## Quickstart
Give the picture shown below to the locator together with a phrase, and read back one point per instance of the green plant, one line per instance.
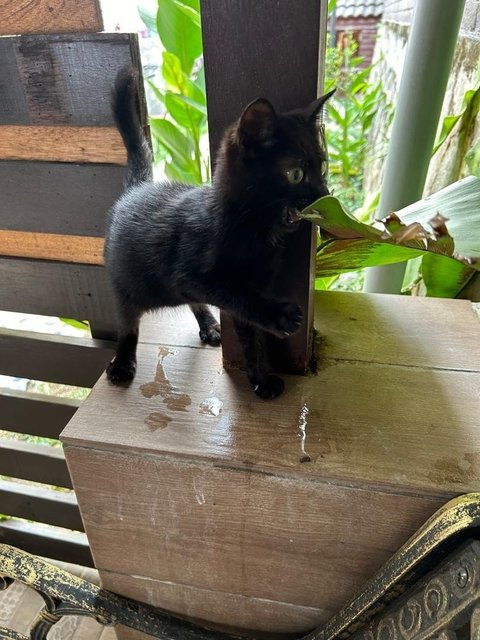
(179, 135)
(449, 257)
(351, 112)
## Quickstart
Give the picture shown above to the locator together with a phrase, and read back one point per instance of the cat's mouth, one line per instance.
(291, 216)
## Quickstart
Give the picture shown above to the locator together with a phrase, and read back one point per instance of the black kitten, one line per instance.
(170, 244)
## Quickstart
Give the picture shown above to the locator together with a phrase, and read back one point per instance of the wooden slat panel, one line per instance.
(52, 288)
(55, 197)
(238, 44)
(63, 144)
(229, 609)
(291, 540)
(62, 79)
(35, 462)
(34, 413)
(75, 361)
(41, 505)
(49, 16)
(51, 246)
(47, 542)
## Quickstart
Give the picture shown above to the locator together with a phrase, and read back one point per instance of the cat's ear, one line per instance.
(257, 124)
(314, 108)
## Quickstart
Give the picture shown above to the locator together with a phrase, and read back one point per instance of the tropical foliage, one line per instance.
(179, 136)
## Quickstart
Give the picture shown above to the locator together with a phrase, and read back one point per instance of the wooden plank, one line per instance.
(261, 617)
(423, 332)
(63, 144)
(36, 356)
(35, 462)
(49, 16)
(47, 542)
(40, 505)
(235, 531)
(35, 413)
(56, 197)
(238, 44)
(367, 424)
(74, 291)
(63, 79)
(51, 246)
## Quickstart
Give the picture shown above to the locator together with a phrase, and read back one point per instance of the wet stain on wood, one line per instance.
(161, 386)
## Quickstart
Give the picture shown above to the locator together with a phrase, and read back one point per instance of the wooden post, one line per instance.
(266, 49)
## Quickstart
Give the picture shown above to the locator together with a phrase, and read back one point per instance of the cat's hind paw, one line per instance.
(121, 372)
(271, 388)
(211, 335)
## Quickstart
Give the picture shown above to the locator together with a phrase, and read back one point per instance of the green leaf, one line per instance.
(460, 204)
(175, 173)
(447, 125)
(78, 324)
(178, 80)
(179, 34)
(190, 13)
(331, 5)
(342, 256)
(472, 160)
(330, 216)
(185, 111)
(176, 142)
(444, 277)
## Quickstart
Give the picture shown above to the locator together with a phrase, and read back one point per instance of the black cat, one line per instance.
(171, 244)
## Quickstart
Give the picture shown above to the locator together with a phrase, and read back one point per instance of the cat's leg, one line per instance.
(265, 384)
(280, 317)
(209, 327)
(124, 365)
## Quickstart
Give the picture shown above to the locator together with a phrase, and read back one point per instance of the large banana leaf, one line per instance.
(443, 229)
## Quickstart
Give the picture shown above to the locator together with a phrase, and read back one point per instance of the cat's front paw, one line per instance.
(285, 319)
(211, 335)
(270, 388)
(121, 372)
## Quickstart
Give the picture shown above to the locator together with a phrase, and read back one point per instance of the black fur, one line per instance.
(171, 244)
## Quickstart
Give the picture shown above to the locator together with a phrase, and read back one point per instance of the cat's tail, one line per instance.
(125, 108)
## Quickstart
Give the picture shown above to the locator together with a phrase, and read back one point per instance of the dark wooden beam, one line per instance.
(75, 361)
(266, 49)
(57, 289)
(47, 542)
(56, 508)
(35, 462)
(35, 413)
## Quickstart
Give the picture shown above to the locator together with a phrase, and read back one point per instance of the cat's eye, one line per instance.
(294, 176)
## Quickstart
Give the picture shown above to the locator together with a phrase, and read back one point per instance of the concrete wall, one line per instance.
(390, 54)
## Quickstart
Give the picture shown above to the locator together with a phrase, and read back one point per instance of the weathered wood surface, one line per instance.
(34, 413)
(297, 501)
(62, 144)
(235, 532)
(238, 44)
(232, 610)
(52, 246)
(35, 462)
(75, 361)
(63, 79)
(57, 197)
(47, 542)
(56, 289)
(56, 508)
(49, 16)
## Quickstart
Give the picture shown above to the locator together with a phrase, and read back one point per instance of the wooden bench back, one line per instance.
(62, 165)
